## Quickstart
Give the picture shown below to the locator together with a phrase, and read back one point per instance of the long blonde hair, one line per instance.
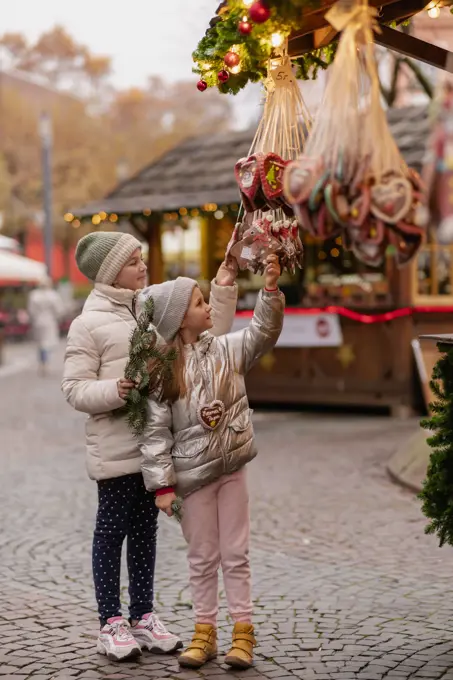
(174, 387)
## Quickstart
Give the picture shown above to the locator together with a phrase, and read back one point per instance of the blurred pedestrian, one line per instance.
(45, 309)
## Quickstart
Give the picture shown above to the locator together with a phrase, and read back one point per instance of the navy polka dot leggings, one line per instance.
(125, 509)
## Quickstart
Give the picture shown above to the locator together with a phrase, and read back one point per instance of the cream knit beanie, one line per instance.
(171, 302)
(102, 254)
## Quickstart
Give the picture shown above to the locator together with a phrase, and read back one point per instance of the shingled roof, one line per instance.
(200, 170)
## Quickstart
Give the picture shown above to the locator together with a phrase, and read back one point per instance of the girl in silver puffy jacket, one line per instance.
(197, 442)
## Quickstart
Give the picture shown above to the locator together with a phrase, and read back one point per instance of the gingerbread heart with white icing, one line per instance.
(391, 200)
(210, 416)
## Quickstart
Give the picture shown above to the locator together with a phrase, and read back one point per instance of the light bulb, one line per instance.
(236, 69)
(277, 39)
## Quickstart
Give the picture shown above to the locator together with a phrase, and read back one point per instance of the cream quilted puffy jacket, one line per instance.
(96, 356)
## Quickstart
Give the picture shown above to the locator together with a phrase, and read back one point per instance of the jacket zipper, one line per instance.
(205, 382)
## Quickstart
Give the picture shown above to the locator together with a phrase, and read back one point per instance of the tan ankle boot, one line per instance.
(241, 653)
(203, 647)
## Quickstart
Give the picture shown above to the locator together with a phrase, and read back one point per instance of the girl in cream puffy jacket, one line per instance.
(94, 383)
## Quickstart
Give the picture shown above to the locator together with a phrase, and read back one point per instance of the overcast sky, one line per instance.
(143, 37)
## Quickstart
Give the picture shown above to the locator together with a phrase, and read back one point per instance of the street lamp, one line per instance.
(45, 133)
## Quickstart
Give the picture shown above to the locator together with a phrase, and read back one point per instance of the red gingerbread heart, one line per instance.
(271, 167)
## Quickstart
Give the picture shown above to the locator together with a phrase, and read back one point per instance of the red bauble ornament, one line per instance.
(232, 59)
(245, 27)
(259, 12)
(223, 76)
(202, 85)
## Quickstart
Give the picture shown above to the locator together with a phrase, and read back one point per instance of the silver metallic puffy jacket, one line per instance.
(178, 451)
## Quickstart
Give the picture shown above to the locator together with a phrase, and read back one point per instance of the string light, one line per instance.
(113, 218)
(147, 212)
(76, 224)
(433, 10)
(183, 212)
(194, 212)
(218, 214)
(103, 215)
(335, 252)
(248, 3)
(96, 219)
(277, 39)
(68, 217)
(236, 69)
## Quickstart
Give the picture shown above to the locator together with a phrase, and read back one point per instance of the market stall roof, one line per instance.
(17, 269)
(200, 170)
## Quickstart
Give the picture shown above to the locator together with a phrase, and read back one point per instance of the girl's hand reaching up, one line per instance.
(272, 272)
(165, 501)
(227, 273)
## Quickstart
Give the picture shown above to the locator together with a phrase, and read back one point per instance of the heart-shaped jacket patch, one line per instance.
(210, 416)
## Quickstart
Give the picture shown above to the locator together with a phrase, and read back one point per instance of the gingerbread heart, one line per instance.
(210, 416)
(303, 217)
(336, 202)
(391, 199)
(300, 177)
(271, 167)
(360, 206)
(247, 175)
(317, 192)
(369, 253)
(406, 245)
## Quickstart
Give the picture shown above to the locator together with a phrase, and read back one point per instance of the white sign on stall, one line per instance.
(304, 329)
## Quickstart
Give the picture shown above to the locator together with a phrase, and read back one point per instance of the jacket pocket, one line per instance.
(191, 447)
(241, 422)
(241, 429)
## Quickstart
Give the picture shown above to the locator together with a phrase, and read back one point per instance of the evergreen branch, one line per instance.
(437, 492)
(149, 366)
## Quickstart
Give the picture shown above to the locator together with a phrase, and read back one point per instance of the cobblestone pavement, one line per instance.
(346, 584)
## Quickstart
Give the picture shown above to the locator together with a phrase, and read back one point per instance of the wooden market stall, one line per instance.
(359, 352)
(350, 335)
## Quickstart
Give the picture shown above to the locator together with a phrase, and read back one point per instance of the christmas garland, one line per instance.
(237, 48)
(437, 493)
(149, 367)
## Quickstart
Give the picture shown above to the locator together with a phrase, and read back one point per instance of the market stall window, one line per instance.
(333, 275)
(433, 272)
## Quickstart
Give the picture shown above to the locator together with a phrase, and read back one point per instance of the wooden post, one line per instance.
(155, 258)
(205, 254)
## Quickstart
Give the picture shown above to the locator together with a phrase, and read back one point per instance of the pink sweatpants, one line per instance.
(216, 527)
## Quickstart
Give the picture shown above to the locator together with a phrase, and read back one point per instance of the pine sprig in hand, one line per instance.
(437, 493)
(149, 367)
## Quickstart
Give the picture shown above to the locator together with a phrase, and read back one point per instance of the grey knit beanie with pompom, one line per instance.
(171, 302)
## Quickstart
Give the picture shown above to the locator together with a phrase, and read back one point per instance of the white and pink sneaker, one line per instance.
(116, 640)
(152, 635)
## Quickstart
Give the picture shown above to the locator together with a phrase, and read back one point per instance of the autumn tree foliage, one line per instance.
(95, 127)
